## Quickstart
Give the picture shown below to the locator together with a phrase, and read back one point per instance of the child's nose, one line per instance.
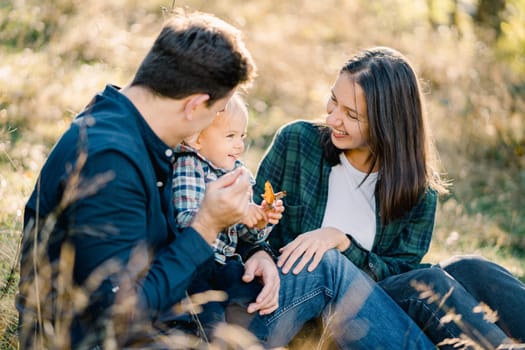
(240, 145)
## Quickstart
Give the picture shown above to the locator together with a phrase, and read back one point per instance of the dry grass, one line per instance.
(55, 54)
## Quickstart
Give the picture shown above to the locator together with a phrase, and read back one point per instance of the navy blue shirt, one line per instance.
(122, 201)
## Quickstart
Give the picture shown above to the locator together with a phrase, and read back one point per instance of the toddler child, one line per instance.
(204, 158)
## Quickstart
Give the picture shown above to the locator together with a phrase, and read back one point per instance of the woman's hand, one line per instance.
(311, 246)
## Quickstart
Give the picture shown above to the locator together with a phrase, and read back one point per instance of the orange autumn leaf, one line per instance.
(269, 196)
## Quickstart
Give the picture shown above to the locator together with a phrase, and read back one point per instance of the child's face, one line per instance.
(223, 141)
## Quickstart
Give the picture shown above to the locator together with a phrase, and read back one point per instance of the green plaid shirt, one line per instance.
(295, 163)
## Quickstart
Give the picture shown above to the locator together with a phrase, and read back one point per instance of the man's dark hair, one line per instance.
(196, 53)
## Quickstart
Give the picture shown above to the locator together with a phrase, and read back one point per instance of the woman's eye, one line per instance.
(352, 116)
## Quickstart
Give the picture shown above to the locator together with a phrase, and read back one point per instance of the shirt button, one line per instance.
(371, 265)
(160, 184)
(168, 152)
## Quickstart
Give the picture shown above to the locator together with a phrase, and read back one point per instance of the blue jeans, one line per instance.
(491, 284)
(357, 312)
(227, 278)
(218, 277)
(460, 284)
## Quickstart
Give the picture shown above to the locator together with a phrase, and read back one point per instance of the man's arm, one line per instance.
(225, 202)
(113, 223)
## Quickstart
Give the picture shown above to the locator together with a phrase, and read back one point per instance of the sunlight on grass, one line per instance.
(57, 54)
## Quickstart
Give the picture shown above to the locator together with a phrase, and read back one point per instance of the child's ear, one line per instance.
(193, 102)
(197, 142)
(192, 140)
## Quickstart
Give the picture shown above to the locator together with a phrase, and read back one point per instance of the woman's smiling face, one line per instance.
(347, 116)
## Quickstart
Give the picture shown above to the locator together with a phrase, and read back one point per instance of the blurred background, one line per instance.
(469, 54)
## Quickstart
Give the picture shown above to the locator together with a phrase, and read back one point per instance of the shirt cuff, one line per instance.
(262, 246)
(199, 251)
(355, 253)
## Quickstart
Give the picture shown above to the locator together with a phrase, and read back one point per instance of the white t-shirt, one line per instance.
(350, 207)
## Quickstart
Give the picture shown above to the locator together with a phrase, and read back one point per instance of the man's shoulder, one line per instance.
(109, 122)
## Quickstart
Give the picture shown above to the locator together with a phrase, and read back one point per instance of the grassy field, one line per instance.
(55, 54)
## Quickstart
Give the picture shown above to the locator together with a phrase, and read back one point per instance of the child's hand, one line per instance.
(273, 213)
(254, 217)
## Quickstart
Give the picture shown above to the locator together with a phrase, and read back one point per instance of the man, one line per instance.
(105, 192)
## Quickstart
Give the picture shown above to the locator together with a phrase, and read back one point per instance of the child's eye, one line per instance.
(230, 136)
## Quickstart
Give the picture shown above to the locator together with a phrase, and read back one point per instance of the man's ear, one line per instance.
(193, 102)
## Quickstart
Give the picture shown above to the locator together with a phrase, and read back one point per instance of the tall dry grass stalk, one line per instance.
(470, 338)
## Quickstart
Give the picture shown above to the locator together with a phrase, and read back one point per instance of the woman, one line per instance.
(364, 183)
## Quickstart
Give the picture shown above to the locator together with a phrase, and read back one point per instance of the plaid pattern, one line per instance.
(191, 173)
(295, 163)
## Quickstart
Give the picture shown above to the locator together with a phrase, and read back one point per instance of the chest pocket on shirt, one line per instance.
(294, 223)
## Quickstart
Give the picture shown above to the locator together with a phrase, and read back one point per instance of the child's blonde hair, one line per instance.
(235, 106)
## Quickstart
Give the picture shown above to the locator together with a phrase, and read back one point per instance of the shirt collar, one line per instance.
(153, 143)
(185, 148)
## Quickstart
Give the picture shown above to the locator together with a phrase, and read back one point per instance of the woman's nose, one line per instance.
(331, 119)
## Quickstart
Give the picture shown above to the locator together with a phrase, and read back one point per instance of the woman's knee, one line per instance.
(336, 262)
(465, 267)
(464, 262)
(339, 271)
(332, 257)
(413, 283)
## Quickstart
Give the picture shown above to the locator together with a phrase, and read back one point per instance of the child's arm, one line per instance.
(255, 217)
(188, 188)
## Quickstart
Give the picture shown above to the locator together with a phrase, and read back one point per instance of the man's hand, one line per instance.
(261, 265)
(225, 202)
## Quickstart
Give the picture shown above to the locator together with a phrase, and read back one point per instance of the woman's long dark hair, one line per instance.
(399, 140)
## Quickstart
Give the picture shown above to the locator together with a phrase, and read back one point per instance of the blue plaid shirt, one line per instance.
(295, 163)
(191, 173)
